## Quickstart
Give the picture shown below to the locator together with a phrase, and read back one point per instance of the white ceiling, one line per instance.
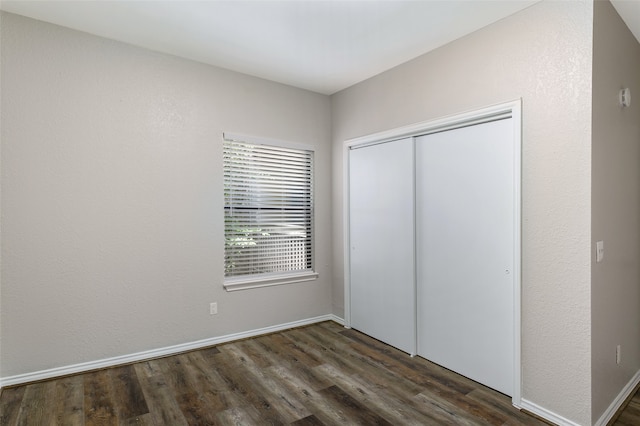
(323, 46)
(629, 10)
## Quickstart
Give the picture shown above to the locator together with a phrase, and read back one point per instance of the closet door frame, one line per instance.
(383, 291)
(511, 109)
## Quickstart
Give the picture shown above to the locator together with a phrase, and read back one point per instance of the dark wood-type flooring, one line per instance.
(630, 416)
(321, 374)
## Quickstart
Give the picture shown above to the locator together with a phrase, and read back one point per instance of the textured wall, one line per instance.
(615, 282)
(542, 55)
(112, 220)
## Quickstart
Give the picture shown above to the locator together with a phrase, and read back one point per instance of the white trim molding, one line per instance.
(511, 109)
(548, 415)
(244, 283)
(258, 140)
(157, 353)
(442, 124)
(619, 400)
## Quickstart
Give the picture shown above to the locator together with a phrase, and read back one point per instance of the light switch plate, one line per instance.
(599, 251)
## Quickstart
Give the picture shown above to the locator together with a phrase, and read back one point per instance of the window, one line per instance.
(268, 213)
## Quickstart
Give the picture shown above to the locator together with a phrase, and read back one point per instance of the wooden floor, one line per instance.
(322, 374)
(630, 416)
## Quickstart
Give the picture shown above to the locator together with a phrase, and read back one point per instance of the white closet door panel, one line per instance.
(465, 251)
(381, 188)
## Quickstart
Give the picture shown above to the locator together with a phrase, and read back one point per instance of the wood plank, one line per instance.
(241, 416)
(331, 326)
(501, 403)
(449, 411)
(209, 352)
(323, 412)
(222, 384)
(38, 406)
(51, 402)
(353, 411)
(308, 421)
(70, 401)
(162, 405)
(270, 393)
(259, 353)
(464, 413)
(319, 349)
(390, 405)
(211, 384)
(98, 405)
(323, 409)
(10, 402)
(322, 374)
(128, 397)
(344, 359)
(143, 420)
(440, 384)
(251, 404)
(286, 352)
(420, 371)
(193, 405)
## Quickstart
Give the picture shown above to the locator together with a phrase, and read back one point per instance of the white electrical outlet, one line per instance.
(213, 308)
(618, 355)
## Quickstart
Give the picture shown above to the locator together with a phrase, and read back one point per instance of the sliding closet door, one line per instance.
(465, 251)
(381, 193)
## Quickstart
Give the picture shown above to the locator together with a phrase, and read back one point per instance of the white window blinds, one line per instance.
(268, 210)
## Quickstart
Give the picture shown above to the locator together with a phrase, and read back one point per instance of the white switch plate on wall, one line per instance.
(599, 251)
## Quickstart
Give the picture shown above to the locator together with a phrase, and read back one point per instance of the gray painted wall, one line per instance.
(544, 56)
(112, 219)
(615, 283)
(112, 182)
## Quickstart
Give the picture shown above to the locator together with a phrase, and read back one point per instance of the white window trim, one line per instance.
(257, 140)
(244, 283)
(280, 278)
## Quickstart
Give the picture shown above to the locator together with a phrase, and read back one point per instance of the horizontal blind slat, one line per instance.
(268, 209)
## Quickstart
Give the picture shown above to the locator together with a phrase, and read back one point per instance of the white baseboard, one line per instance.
(546, 414)
(620, 399)
(176, 349)
(156, 353)
(337, 319)
(602, 421)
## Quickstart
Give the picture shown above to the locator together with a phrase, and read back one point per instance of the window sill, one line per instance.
(246, 283)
